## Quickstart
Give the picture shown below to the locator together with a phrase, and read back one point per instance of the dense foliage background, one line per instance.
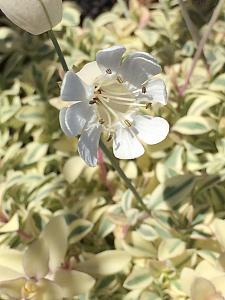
(181, 179)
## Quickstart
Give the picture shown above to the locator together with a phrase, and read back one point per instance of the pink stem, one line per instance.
(103, 172)
(201, 45)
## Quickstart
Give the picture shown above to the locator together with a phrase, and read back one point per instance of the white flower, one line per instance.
(206, 282)
(37, 274)
(106, 95)
(34, 16)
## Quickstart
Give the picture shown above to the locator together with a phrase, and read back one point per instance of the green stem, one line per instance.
(190, 25)
(116, 166)
(58, 50)
(105, 150)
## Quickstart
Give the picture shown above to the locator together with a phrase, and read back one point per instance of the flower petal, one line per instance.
(74, 89)
(89, 72)
(126, 145)
(8, 274)
(55, 236)
(11, 259)
(88, 143)
(137, 69)
(31, 16)
(156, 91)
(62, 122)
(76, 117)
(35, 259)
(110, 59)
(48, 290)
(145, 55)
(207, 270)
(187, 278)
(202, 289)
(151, 130)
(218, 282)
(73, 282)
(12, 288)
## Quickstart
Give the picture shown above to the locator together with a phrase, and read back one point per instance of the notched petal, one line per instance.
(73, 283)
(76, 117)
(136, 70)
(55, 236)
(36, 259)
(109, 59)
(74, 89)
(89, 142)
(151, 130)
(155, 91)
(89, 72)
(63, 124)
(126, 145)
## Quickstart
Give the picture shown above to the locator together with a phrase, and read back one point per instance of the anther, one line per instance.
(108, 71)
(109, 137)
(101, 121)
(59, 84)
(143, 90)
(148, 105)
(119, 79)
(93, 101)
(128, 123)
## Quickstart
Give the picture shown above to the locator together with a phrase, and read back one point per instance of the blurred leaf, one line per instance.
(73, 168)
(34, 152)
(218, 84)
(190, 125)
(79, 229)
(171, 193)
(170, 248)
(139, 278)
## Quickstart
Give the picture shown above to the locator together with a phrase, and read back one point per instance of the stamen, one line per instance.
(112, 99)
(109, 71)
(128, 102)
(109, 125)
(109, 91)
(59, 84)
(118, 97)
(143, 89)
(148, 105)
(128, 123)
(109, 137)
(119, 79)
(93, 101)
(108, 108)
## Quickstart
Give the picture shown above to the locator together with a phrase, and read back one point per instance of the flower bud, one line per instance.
(34, 16)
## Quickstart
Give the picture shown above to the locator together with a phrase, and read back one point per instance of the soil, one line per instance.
(93, 8)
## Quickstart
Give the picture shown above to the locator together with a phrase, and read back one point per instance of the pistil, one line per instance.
(113, 97)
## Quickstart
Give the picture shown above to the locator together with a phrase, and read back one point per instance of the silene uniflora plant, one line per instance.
(106, 96)
(61, 239)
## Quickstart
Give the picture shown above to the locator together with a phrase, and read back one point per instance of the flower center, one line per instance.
(29, 289)
(114, 102)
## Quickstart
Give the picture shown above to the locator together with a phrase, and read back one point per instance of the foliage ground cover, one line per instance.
(181, 179)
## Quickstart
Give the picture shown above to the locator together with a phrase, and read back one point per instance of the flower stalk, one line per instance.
(58, 50)
(123, 176)
(201, 45)
(105, 150)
